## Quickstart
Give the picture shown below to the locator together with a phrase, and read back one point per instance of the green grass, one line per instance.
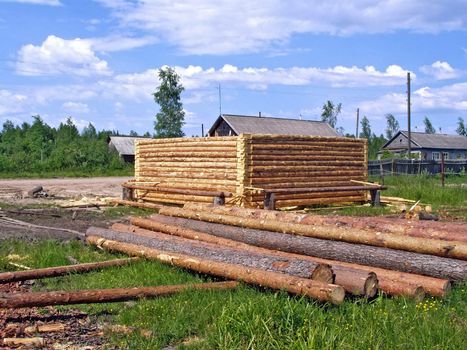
(127, 171)
(248, 318)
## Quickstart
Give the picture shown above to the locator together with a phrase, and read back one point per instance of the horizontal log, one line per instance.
(360, 283)
(263, 175)
(391, 282)
(223, 153)
(15, 276)
(214, 252)
(330, 168)
(300, 181)
(40, 299)
(148, 196)
(317, 201)
(179, 191)
(135, 204)
(399, 259)
(306, 163)
(296, 285)
(325, 189)
(176, 165)
(20, 342)
(206, 185)
(318, 151)
(312, 195)
(152, 175)
(189, 140)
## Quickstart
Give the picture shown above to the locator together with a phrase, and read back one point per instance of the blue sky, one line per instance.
(97, 61)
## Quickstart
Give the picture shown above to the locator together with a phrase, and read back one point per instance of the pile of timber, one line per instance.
(320, 258)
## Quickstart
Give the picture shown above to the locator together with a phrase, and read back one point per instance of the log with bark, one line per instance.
(39, 299)
(14, 276)
(354, 281)
(452, 249)
(340, 251)
(172, 244)
(24, 342)
(449, 231)
(295, 285)
(136, 204)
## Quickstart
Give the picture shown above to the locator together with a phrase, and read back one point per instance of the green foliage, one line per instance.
(248, 317)
(392, 126)
(330, 113)
(429, 128)
(461, 129)
(171, 117)
(39, 148)
(366, 128)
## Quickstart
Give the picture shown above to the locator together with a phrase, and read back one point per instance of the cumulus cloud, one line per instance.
(59, 56)
(75, 107)
(11, 102)
(235, 26)
(440, 70)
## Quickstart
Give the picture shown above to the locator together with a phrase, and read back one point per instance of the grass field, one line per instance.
(249, 318)
(128, 170)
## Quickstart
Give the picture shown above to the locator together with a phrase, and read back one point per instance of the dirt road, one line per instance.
(69, 188)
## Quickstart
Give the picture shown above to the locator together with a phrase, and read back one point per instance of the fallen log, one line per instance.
(203, 250)
(426, 246)
(295, 285)
(14, 276)
(372, 257)
(361, 283)
(434, 230)
(15, 342)
(39, 299)
(45, 328)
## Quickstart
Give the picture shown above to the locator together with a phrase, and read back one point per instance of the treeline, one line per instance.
(39, 148)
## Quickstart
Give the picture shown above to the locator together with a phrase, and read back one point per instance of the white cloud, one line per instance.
(75, 107)
(11, 103)
(37, 2)
(119, 43)
(229, 26)
(60, 56)
(80, 123)
(440, 70)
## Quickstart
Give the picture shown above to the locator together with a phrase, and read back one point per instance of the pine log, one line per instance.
(449, 231)
(179, 191)
(390, 281)
(295, 285)
(392, 259)
(7, 277)
(39, 299)
(436, 247)
(20, 342)
(203, 250)
(45, 328)
(360, 283)
(135, 204)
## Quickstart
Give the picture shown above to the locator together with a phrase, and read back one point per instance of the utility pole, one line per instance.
(358, 120)
(409, 148)
(202, 130)
(220, 100)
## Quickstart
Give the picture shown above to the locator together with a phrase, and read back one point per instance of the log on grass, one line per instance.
(39, 299)
(354, 281)
(452, 249)
(383, 258)
(295, 285)
(15, 276)
(449, 231)
(136, 204)
(172, 244)
(20, 342)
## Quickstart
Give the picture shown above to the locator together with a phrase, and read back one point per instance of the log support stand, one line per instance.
(219, 200)
(375, 198)
(269, 201)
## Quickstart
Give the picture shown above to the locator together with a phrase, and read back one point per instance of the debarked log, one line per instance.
(173, 244)
(39, 299)
(354, 281)
(452, 249)
(14, 276)
(393, 259)
(295, 285)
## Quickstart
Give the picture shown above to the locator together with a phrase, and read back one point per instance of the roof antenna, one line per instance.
(220, 99)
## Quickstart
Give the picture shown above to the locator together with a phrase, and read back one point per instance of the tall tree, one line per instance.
(429, 128)
(366, 128)
(461, 130)
(171, 117)
(392, 126)
(330, 113)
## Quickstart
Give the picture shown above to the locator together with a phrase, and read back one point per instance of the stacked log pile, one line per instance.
(294, 253)
(246, 165)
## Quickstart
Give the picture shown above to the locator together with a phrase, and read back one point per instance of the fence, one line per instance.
(245, 164)
(415, 166)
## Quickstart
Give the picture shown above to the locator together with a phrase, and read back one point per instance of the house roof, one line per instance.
(436, 141)
(125, 145)
(243, 124)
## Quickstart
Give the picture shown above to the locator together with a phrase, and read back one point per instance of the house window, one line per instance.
(446, 155)
(436, 156)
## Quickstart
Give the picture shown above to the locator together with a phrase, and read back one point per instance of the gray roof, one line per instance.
(441, 141)
(242, 124)
(125, 145)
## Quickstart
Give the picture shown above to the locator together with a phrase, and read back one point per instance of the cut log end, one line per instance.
(323, 273)
(419, 294)
(337, 295)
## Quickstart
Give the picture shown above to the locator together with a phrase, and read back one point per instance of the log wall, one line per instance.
(238, 163)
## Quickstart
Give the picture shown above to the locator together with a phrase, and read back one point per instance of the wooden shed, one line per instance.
(245, 165)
